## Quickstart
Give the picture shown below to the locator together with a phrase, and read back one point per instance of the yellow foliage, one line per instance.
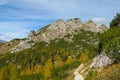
(42, 58)
(70, 60)
(47, 69)
(28, 71)
(22, 72)
(63, 52)
(58, 61)
(3, 73)
(84, 57)
(37, 69)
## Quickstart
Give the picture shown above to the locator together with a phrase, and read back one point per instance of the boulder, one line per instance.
(101, 60)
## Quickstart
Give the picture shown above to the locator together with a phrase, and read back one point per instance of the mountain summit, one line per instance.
(60, 28)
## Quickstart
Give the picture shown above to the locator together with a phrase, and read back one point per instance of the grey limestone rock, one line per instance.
(25, 44)
(101, 60)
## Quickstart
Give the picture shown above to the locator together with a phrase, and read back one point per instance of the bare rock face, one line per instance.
(90, 26)
(32, 33)
(74, 23)
(101, 28)
(25, 44)
(60, 28)
(57, 30)
(101, 61)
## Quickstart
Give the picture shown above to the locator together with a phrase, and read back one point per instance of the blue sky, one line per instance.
(18, 17)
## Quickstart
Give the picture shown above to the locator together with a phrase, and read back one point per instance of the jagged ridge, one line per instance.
(58, 29)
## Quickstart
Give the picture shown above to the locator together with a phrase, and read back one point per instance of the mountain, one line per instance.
(2, 40)
(63, 50)
(58, 29)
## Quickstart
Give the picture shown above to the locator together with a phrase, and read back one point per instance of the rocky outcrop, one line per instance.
(24, 44)
(101, 60)
(32, 33)
(7, 46)
(91, 26)
(75, 23)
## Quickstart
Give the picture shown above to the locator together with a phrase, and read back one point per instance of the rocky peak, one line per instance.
(60, 28)
(32, 33)
(101, 28)
(75, 20)
(59, 24)
(59, 21)
(89, 22)
(90, 26)
(74, 23)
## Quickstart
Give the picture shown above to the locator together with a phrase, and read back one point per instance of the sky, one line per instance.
(19, 17)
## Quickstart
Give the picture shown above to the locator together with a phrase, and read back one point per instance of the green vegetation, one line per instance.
(91, 74)
(37, 76)
(55, 60)
(61, 72)
(48, 61)
(110, 43)
(116, 21)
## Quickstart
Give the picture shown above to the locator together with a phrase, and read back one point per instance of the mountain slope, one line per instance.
(53, 58)
(56, 51)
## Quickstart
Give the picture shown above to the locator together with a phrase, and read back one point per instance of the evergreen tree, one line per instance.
(116, 21)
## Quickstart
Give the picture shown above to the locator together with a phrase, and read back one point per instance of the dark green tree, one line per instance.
(116, 21)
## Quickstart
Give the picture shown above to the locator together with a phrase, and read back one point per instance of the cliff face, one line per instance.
(60, 28)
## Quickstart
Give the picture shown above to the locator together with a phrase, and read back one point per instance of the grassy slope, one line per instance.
(111, 72)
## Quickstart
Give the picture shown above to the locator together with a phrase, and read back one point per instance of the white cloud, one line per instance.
(14, 29)
(2, 2)
(10, 30)
(4, 37)
(100, 20)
